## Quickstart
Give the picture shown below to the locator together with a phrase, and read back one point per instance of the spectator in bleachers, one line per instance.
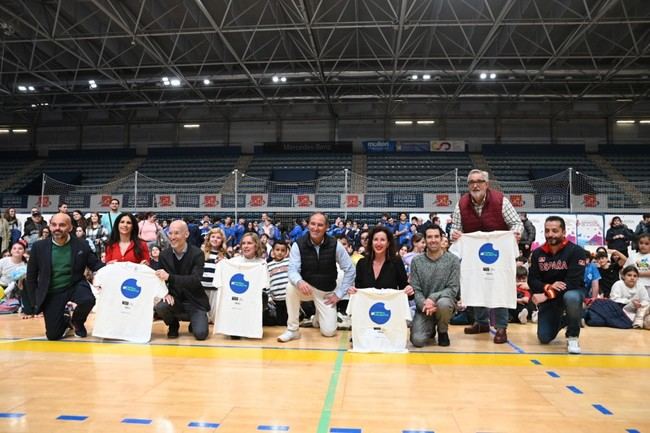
(433, 220)
(448, 227)
(205, 228)
(80, 234)
(298, 229)
(109, 218)
(124, 245)
(484, 209)
(391, 224)
(592, 279)
(63, 208)
(403, 231)
(266, 248)
(240, 229)
(618, 236)
(33, 226)
(14, 225)
(44, 233)
(154, 258)
(149, 228)
(418, 246)
(642, 228)
(229, 229)
(5, 233)
(609, 270)
(96, 233)
(527, 235)
(78, 220)
(195, 237)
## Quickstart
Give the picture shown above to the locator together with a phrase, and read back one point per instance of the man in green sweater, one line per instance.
(435, 276)
(55, 276)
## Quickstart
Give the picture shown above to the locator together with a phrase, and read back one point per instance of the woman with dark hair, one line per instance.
(382, 267)
(78, 220)
(618, 236)
(124, 244)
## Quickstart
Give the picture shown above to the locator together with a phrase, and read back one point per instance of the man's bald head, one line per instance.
(60, 227)
(178, 234)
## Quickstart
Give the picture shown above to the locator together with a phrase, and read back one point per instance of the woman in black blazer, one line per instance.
(382, 267)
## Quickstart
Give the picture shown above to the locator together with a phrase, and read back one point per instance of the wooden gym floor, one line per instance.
(314, 385)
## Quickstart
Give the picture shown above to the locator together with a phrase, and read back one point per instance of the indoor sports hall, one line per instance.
(249, 116)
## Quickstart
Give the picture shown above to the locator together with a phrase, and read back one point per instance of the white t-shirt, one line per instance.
(379, 320)
(642, 263)
(125, 303)
(10, 271)
(488, 269)
(239, 304)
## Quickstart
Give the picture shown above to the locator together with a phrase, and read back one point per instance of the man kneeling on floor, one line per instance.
(435, 277)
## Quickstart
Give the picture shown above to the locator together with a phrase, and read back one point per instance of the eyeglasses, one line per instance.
(476, 182)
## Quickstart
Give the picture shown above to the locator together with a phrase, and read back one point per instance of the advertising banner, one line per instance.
(439, 202)
(101, 202)
(210, 201)
(46, 203)
(165, 201)
(304, 200)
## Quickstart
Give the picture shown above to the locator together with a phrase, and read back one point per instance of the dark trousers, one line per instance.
(278, 316)
(566, 310)
(56, 323)
(172, 314)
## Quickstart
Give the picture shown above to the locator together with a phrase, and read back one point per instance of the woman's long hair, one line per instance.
(115, 234)
(259, 249)
(391, 252)
(207, 248)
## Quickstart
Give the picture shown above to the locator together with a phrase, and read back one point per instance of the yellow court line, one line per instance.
(329, 356)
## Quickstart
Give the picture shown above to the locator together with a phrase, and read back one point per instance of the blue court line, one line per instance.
(575, 390)
(273, 427)
(602, 409)
(200, 424)
(344, 430)
(136, 421)
(511, 344)
(72, 417)
(553, 374)
(632, 430)
(11, 415)
(535, 361)
(418, 431)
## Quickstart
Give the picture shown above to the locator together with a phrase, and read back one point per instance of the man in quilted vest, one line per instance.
(484, 209)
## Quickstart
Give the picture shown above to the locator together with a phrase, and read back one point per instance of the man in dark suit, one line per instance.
(182, 269)
(55, 276)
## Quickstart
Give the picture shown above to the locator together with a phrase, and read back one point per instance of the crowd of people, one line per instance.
(317, 264)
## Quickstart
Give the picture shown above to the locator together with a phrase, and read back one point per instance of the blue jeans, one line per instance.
(481, 316)
(551, 317)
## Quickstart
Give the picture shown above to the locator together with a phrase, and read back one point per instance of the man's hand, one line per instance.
(162, 274)
(429, 307)
(169, 299)
(455, 235)
(331, 299)
(539, 298)
(559, 285)
(305, 288)
(409, 290)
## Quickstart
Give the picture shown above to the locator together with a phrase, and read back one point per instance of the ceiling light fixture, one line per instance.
(414, 77)
(19, 131)
(403, 122)
(483, 76)
(275, 79)
(4, 131)
(165, 81)
(175, 82)
(191, 125)
(625, 122)
(283, 79)
(22, 88)
(92, 84)
(426, 77)
(426, 122)
(206, 82)
(644, 122)
(493, 76)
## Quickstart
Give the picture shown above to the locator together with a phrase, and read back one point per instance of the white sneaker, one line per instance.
(344, 322)
(523, 316)
(314, 321)
(288, 336)
(573, 347)
(534, 316)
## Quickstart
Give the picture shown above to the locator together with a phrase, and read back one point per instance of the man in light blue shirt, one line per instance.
(313, 276)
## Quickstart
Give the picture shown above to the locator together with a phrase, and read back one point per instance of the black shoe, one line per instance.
(443, 339)
(172, 332)
(189, 328)
(235, 337)
(80, 331)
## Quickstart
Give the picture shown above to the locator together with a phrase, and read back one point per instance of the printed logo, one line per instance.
(379, 314)
(238, 284)
(517, 200)
(488, 254)
(210, 201)
(130, 288)
(304, 200)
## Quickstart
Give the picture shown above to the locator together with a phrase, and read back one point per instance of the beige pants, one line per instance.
(326, 313)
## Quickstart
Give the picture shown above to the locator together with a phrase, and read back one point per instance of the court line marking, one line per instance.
(536, 362)
(326, 412)
(11, 415)
(136, 421)
(602, 409)
(553, 374)
(574, 389)
(201, 424)
(510, 343)
(273, 427)
(72, 417)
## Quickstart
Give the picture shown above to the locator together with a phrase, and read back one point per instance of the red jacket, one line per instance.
(491, 218)
(113, 253)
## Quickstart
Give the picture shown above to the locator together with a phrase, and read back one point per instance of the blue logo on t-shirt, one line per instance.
(130, 288)
(488, 254)
(379, 314)
(238, 284)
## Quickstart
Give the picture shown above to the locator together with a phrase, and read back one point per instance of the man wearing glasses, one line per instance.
(483, 209)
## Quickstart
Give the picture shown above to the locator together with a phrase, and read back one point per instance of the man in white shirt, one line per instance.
(312, 276)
